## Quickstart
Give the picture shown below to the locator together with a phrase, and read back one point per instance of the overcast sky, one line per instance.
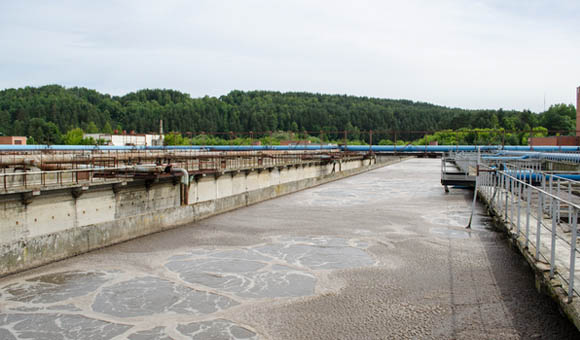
(459, 53)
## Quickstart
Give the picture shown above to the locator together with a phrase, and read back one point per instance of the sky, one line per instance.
(516, 54)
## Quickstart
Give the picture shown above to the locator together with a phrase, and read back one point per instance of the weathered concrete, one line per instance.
(58, 225)
(381, 255)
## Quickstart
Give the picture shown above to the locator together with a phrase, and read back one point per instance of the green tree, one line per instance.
(107, 129)
(175, 138)
(257, 111)
(73, 137)
(92, 127)
(44, 132)
(560, 119)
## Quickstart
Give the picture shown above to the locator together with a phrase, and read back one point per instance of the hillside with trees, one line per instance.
(53, 114)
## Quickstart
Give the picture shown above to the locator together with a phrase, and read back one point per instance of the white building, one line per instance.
(131, 139)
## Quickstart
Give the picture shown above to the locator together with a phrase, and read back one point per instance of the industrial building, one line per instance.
(12, 140)
(128, 139)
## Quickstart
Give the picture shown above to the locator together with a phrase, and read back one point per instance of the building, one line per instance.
(295, 142)
(561, 140)
(12, 140)
(127, 139)
(554, 141)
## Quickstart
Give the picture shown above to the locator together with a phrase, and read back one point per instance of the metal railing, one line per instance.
(37, 180)
(533, 216)
(20, 179)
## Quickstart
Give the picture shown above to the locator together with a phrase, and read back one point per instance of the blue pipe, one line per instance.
(472, 148)
(505, 158)
(558, 150)
(525, 175)
(573, 177)
(420, 148)
(551, 156)
(179, 147)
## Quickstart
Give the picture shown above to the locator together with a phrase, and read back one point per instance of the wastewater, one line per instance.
(384, 254)
(108, 304)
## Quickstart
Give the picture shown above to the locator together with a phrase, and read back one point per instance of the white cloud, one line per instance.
(475, 54)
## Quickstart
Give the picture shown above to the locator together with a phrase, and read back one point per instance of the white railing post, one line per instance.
(573, 253)
(539, 225)
(553, 244)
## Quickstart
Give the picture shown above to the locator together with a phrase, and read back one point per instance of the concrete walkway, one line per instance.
(382, 255)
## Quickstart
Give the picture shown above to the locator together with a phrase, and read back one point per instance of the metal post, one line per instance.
(506, 199)
(498, 189)
(558, 202)
(573, 254)
(550, 210)
(512, 205)
(492, 182)
(519, 208)
(529, 202)
(539, 226)
(543, 185)
(487, 187)
(553, 246)
(503, 187)
(497, 183)
(569, 200)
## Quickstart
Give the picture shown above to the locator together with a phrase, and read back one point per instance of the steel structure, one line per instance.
(42, 170)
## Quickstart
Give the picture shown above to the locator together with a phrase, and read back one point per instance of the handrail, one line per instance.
(519, 192)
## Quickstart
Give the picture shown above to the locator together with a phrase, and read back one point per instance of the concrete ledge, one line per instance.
(544, 284)
(136, 213)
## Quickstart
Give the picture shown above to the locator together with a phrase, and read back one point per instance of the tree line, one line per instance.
(54, 114)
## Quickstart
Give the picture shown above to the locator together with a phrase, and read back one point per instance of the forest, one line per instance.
(54, 114)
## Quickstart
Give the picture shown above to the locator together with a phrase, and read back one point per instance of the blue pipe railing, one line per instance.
(528, 150)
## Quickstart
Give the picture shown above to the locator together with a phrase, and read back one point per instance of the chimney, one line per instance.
(578, 111)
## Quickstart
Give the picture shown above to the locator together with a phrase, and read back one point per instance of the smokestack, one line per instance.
(161, 127)
(578, 111)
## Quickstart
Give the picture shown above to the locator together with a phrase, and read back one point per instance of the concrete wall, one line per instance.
(56, 225)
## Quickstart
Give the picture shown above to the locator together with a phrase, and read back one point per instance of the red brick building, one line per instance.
(12, 140)
(553, 141)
